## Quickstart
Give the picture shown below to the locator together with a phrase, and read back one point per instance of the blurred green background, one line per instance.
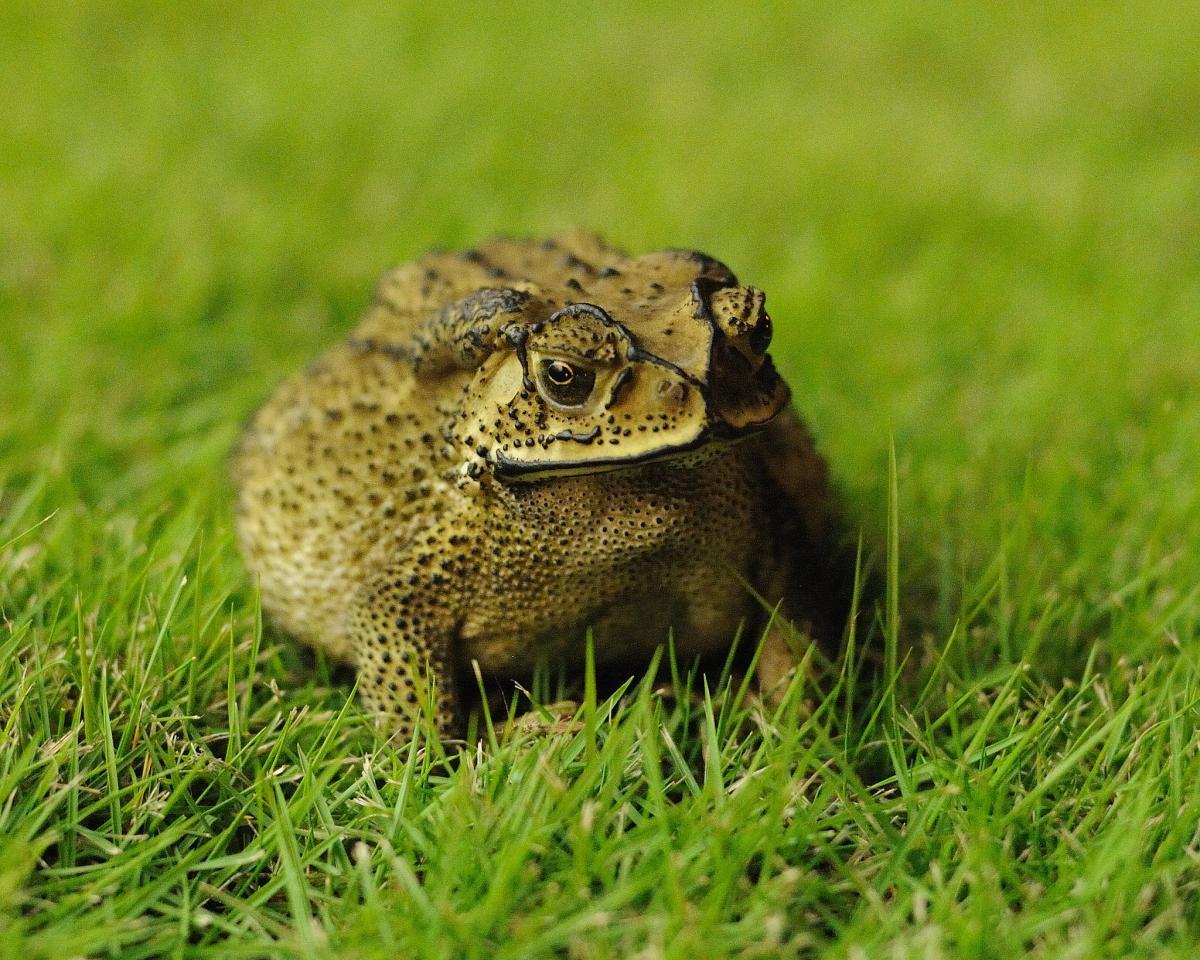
(977, 225)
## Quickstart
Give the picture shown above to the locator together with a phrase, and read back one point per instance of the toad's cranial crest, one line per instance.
(534, 427)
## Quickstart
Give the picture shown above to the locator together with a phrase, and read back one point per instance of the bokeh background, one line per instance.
(977, 224)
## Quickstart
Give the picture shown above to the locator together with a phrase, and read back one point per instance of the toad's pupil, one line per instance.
(560, 373)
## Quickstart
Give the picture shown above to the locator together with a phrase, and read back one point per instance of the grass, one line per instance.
(977, 225)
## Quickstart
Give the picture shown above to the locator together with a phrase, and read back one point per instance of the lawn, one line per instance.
(978, 227)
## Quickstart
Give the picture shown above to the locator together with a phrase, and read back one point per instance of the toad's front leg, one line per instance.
(403, 625)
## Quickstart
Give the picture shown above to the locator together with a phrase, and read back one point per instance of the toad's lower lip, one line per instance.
(716, 434)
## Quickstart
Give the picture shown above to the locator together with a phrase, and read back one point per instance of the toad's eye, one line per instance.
(565, 384)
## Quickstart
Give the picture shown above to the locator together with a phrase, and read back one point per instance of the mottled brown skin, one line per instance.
(528, 440)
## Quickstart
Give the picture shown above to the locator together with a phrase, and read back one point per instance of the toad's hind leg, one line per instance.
(402, 632)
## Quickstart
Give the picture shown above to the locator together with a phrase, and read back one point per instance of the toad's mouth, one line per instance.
(713, 440)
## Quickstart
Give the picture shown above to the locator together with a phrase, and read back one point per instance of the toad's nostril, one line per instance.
(760, 336)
